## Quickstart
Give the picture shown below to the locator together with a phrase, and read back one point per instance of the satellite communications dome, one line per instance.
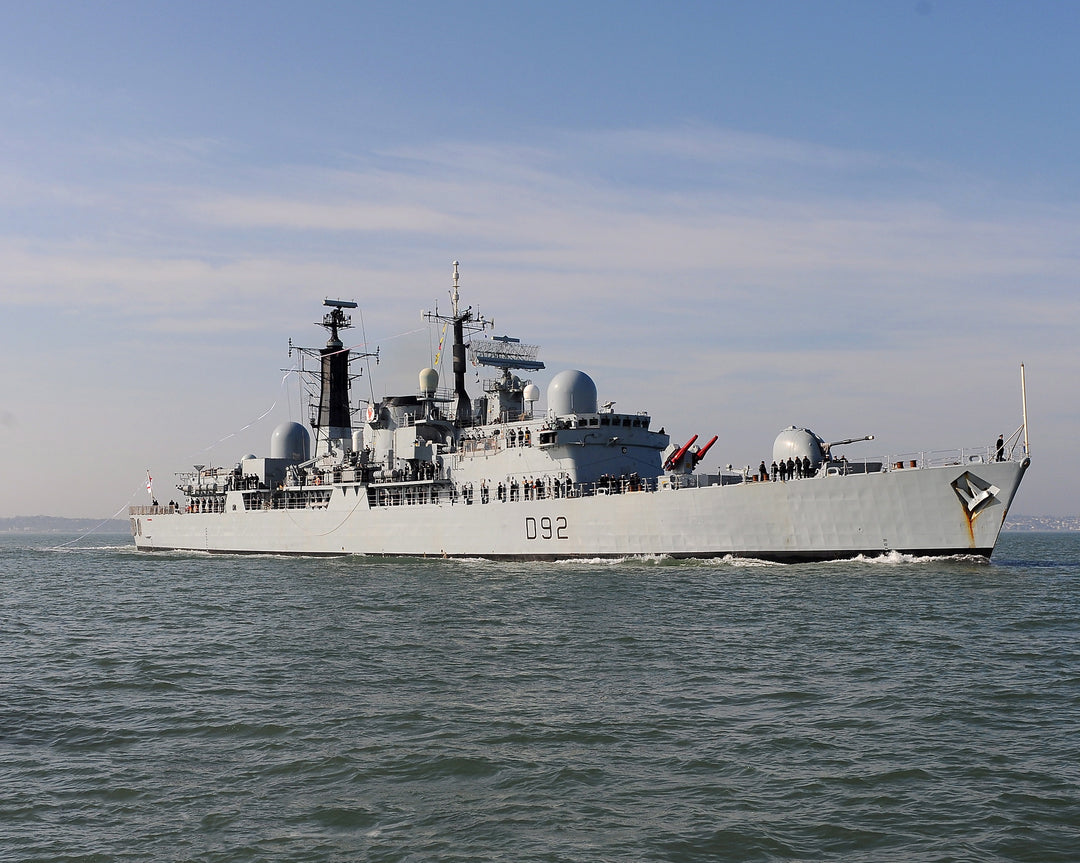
(429, 382)
(290, 440)
(571, 392)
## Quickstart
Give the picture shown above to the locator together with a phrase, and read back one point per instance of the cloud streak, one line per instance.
(535, 210)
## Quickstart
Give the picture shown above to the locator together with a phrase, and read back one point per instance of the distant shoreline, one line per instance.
(1042, 523)
(56, 524)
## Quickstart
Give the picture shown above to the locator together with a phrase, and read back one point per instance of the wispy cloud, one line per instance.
(543, 223)
(309, 215)
(543, 209)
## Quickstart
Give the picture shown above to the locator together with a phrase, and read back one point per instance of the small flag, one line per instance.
(438, 353)
(149, 483)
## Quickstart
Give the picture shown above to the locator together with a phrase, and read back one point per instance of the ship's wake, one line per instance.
(896, 558)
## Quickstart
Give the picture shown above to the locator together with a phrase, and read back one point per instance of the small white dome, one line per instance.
(429, 382)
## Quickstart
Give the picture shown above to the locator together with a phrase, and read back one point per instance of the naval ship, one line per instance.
(437, 472)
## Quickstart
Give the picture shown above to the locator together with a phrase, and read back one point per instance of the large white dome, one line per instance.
(290, 440)
(571, 392)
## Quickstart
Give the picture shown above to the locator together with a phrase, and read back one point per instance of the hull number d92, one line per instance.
(546, 527)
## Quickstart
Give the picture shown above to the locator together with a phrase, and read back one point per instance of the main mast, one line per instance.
(331, 416)
(460, 321)
(334, 420)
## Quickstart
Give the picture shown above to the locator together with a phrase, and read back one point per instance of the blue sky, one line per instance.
(857, 217)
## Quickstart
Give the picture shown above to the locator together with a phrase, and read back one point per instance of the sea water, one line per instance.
(187, 707)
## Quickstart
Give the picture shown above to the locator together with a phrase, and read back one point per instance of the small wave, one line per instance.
(203, 554)
(750, 562)
(897, 558)
(559, 562)
(83, 549)
(652, 559)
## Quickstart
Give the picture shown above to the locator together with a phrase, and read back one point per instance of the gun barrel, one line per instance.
(678, 454)
(848, 440)
(700, 454)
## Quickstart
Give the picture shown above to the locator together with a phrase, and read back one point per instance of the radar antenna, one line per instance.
(503, 352)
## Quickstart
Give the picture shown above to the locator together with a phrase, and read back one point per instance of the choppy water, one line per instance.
(182, 707)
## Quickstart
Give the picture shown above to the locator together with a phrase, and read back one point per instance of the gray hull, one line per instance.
(941, 510)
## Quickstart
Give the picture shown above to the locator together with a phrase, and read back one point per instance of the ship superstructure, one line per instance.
(440, 472)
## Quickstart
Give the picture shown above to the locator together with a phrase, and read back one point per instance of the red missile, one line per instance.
(679, 453)
(700, 454)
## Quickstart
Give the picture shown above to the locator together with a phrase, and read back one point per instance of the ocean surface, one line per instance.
(184, 707)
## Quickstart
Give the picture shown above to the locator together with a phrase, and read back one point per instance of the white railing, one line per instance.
(152, 510)
(935, 458)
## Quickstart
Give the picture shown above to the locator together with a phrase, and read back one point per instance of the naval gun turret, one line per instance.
(798, 444)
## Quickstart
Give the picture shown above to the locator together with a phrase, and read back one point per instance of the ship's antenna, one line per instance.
(367, 357)
(454, 296)
(1023, 401)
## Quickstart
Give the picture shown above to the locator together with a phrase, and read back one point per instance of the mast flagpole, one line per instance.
(1023, 400)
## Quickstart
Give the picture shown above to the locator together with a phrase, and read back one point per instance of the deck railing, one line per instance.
(152, 510)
